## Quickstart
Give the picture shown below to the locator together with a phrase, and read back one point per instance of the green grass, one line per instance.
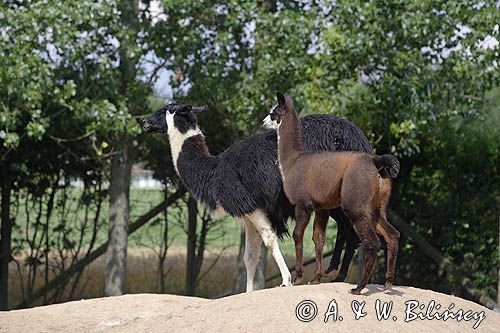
(225, 231)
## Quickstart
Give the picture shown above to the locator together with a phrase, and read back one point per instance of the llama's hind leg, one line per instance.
(302, 217)
(270, 239)
(320, 222)
(253, 241)
(369, 239)
(391, 237)
(387, 230)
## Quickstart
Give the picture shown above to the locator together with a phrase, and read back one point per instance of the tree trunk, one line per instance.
(202, 240)
(121, 166)
(260, 272)
(191, 247)
(119, 196)
(50, 206)
(498, 289)
(5, 240)
(163, 253)
(240, 279)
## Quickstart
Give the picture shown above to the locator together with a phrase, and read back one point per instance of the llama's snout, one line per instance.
(269, 123)
(146, 126)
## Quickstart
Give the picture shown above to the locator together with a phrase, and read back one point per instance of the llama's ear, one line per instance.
(288, 100)
(185, 109)
(281, 98)
(198, 109)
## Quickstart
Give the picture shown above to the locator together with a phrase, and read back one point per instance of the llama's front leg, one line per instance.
(346, 261)
(251, 258)
(371, 243)
(352, 242)
(320, 221)
(270, 239)
(301, 220)
(391, 237)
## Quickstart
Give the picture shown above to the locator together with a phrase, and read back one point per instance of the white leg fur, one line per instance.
(263, 226)
(252, 251)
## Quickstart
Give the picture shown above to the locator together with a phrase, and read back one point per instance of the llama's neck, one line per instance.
(289, 139)
(178, 138)
(196, 167)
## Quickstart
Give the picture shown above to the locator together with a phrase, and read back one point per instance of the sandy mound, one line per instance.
(261, 311)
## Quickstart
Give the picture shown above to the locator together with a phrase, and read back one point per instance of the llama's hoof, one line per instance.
(317, 278)
(297, 280)
(286, 284)
(355, 291)
(387, 286)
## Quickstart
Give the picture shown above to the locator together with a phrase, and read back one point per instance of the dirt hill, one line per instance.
(270, 310)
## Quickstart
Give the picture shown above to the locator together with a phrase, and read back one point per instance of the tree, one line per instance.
(121, 163)
(40, 73)
(191, 246)
(498, 288)
(5, 240)
(30, 95)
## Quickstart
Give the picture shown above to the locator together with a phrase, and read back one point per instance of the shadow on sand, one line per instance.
(376, 288)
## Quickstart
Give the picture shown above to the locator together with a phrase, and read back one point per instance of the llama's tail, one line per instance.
(387, 161)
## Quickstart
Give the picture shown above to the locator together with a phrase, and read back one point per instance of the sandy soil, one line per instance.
(269, 310)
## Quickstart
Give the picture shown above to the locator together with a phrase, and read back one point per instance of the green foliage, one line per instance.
(452, 198)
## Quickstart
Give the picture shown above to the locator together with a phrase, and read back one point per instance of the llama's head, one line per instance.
(180, 116)
(273, 120)
(179, 121)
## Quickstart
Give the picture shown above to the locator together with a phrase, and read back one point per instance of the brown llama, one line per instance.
(327, 180)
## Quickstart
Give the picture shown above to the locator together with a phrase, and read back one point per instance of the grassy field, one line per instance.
(224, 234)
(142, 272)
